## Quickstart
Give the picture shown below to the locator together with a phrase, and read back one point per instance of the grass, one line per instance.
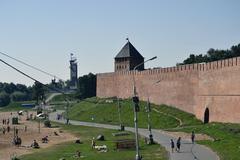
(226, 138)
(15, 106)
(186, 118)
(61, 97)
(102, 112)
(67, 150)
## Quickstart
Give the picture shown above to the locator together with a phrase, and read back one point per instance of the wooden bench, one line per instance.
(125, 144)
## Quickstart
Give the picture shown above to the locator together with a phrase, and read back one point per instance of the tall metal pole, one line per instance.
(151, 141)
(67, 110)
(39, 125)
(119, 116)
(138, 157)
(136, 109)
(149, 123)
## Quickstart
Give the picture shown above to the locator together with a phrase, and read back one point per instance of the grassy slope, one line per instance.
(67, 150)
(108, 113)
(226, 136)
(60, 98)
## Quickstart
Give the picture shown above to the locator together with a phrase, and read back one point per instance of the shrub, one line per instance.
(47, 123)
(4, 99)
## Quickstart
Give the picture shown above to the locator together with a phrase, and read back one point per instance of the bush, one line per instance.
(47, 123)
(19, 96)
(4, 99)
(39, 110)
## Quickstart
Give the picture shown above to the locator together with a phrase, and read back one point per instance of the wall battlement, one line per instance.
(215, 65)
(192, 88)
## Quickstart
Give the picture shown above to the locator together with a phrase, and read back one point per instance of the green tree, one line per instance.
(213, 55)
(4, 99)
(38, 92)
(86, 86)
(19, 96)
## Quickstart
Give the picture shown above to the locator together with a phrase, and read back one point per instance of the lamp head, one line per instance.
(153, 58)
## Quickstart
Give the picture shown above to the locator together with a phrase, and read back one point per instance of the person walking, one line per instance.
(193, 137)
(4, 130)
(172, 145)
(178, 144)
(8, 129)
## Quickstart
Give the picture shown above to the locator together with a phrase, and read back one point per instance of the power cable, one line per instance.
(26, 75)
(31, 66)
(57, 90)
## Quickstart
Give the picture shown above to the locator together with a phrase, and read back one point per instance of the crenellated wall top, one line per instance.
(215, 65)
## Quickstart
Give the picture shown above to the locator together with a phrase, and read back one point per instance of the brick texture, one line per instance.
(191, 88)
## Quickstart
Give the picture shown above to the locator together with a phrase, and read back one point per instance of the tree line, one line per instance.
(14, 92)
(213, 55)
(10, 92)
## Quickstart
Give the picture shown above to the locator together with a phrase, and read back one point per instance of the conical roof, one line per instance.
(129, 50)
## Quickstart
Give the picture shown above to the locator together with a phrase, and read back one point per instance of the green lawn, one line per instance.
(15, 106)
(61, 97)
(67, 150)
(226, 138)
(103, 112)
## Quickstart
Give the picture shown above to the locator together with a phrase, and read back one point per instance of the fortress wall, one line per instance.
(219, 91)
(191, 88)
(177, 86)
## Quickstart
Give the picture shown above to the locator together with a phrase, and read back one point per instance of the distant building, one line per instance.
(73, 73)
(128, 58)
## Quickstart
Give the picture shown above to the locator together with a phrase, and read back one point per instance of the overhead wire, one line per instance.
(26, 75)
(31, 66)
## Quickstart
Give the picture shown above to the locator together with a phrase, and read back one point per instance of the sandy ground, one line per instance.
(8, 150)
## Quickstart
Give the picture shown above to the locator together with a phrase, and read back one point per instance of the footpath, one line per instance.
(188, 151)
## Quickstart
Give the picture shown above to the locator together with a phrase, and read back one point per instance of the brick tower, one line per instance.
(128, 58)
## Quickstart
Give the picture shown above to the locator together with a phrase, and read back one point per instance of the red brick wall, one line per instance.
(219, 90)
(191, 88)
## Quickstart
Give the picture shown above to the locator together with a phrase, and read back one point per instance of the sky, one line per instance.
(43, 33)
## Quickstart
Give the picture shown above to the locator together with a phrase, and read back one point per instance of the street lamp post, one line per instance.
(135, 100)
(119, 116)
(149, 123)
(148, 109)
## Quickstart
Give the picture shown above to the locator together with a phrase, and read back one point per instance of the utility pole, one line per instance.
(149, 123)
(135, 100)
(119, 116)
(67, 114)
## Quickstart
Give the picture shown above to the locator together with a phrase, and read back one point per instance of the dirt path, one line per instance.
(7, 149)
(179, 120)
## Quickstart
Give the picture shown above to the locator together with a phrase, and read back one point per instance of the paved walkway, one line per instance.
(189, 151)
(51, 96)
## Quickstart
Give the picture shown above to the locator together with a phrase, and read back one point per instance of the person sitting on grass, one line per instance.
(35, 144)
(45, 139)
(93, 143)
(78, 154)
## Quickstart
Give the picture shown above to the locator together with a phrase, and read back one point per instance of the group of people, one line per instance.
(178, 143)
(6, 129)
(17, 141)
(5, 121)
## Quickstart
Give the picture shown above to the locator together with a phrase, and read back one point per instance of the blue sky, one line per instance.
(45, 32)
